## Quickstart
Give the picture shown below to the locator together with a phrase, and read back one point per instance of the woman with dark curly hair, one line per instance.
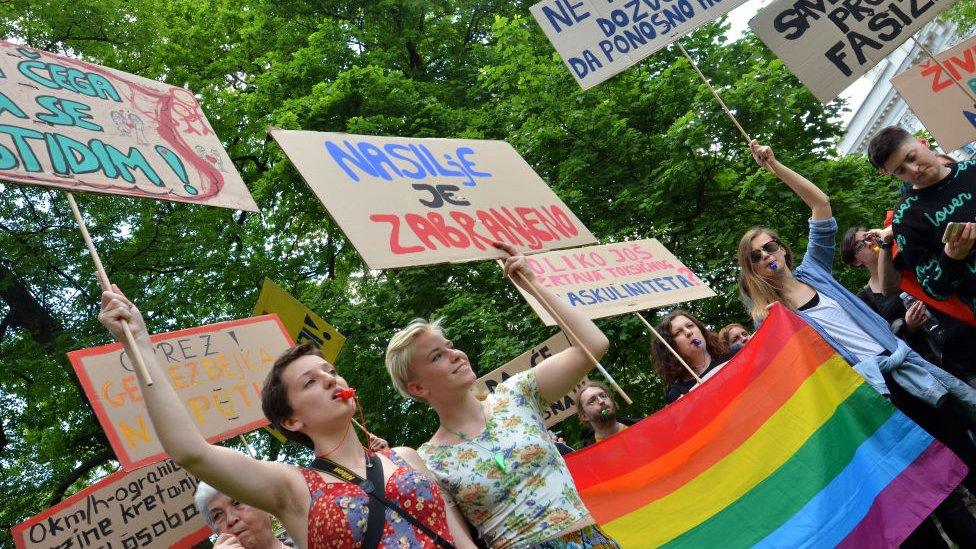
(699, 347)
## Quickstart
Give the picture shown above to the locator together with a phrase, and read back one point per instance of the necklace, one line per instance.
(496, 454)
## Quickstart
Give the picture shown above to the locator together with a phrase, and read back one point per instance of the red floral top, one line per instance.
(339, 510)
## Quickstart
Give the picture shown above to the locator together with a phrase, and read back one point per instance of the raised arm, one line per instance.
(811, 195)
(273, 487)
(888, 275)
(558, 374)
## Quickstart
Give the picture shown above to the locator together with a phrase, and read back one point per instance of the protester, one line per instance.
(597, 410)
(303, 398)
(734, 336)
(239, 526)
(862, 247)
(495, 457)
(700, 348)
(940, 194)
(934, 399)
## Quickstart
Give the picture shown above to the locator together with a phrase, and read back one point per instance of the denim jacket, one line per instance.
(913, 373)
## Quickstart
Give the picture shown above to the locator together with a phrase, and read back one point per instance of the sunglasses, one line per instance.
(770, 247)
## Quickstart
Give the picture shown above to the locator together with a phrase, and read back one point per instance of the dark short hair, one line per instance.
(847, 244)
(274, 393)
(885, 143)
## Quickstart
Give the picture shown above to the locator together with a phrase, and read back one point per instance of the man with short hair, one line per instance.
(596, 408)
(239, 526)
(940, 194)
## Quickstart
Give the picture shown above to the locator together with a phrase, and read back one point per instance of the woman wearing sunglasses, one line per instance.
(936, 400)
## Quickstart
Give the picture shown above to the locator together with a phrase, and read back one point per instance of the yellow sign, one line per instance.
(301, 322)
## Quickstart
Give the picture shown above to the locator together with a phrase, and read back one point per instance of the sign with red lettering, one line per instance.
(82, 127)
(556, 411)
(829, 45)
(410, 201)
(615, 279)
(600, 38)
(149, 507)
(217, 370)
(944, 108)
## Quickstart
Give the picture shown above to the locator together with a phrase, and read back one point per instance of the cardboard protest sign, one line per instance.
(82, 127)
(410, 201)
(149, 507)
(945, 110)
(557, 411)
(301, 322)
(829, 45)
(615, 279)
(600, 38)
(217, 370)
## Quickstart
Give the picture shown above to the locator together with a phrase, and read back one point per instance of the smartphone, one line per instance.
(952, 230)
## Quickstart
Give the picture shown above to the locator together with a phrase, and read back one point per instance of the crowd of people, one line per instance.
(492, 475)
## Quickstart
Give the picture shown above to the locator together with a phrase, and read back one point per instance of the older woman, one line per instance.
(495, 457)
(303, 397)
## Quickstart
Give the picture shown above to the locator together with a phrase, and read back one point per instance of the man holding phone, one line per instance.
(935, 224)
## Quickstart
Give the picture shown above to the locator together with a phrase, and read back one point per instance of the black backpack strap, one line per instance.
(375, 487)
(376, 519)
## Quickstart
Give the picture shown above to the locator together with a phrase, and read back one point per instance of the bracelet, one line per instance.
(886, 244)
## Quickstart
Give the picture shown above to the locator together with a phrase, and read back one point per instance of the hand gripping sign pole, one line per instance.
(574, 338)
(691, 371)
(137, 362)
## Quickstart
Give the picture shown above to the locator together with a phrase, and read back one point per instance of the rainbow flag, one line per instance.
(786, 446)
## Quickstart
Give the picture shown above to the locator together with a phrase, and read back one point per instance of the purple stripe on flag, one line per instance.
(921, 486)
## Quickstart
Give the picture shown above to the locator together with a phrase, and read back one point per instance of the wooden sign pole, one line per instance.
(574, 339)
(698, 379)
(138, 364)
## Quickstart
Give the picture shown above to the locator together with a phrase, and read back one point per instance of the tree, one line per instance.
(647, 154)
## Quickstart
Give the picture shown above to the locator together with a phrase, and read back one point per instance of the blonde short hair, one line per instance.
(399, 352)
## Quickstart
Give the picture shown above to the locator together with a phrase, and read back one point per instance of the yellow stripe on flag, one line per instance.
(766, 450)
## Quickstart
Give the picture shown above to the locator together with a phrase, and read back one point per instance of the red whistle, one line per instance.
(346, 394)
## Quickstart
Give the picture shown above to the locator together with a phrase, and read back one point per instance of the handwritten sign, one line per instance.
(829, 45)
(615, 279)
(217, 370)
(558, 410)
(301, 322)
(600, 38)
(946, 110)
(148, 507)
(410, 201)
(82, 127)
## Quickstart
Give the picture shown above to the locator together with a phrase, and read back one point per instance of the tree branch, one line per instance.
(81, 470)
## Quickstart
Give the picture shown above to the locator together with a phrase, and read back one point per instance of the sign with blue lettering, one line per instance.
(600, 38)
(406, 201)
(81, 127)
(615, 279)
(829, 45)
(946, 110)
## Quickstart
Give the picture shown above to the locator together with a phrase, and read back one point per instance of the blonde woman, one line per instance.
(495, 457)
(934, 399)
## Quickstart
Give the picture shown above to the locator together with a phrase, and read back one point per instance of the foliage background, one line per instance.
(647, 154)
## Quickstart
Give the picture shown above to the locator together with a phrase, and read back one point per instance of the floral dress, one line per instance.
(536, 499)
(339, 510)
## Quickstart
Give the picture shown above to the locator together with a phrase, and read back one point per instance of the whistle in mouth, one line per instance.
(696, 342)
(346, 394)
(605, 412)
(773, 265)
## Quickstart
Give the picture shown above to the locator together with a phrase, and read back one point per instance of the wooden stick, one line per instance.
(929, 53)
(714, 93)
(574, 339)
(670, 348)
(138, 364)
(363, 429)
(247, 444)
